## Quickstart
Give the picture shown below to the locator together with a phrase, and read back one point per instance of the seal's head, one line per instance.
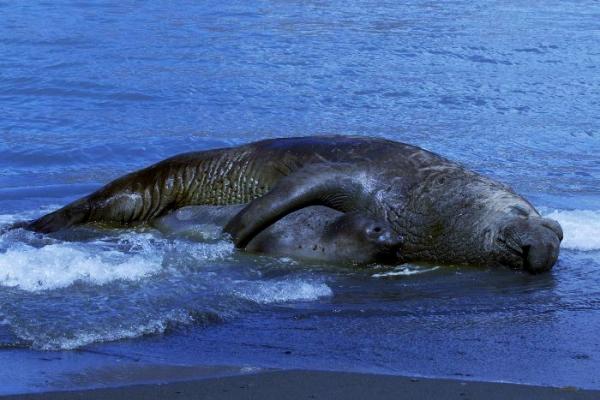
(480, 222)
(379, 234)
(528, 241)
(363, 239)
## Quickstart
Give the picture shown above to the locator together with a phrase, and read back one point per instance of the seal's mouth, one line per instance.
(511, 246)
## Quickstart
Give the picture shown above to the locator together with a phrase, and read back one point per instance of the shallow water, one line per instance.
(90, 91)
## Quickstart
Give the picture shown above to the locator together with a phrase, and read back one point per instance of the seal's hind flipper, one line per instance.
(66, 217)
(14, 225)
(335, 185)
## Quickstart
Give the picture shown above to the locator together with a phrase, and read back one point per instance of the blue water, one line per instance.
(92, 90)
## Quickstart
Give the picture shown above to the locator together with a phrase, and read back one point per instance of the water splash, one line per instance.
(267, 292)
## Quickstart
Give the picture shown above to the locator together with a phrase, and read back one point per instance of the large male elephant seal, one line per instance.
(446, 213)
(314, 233)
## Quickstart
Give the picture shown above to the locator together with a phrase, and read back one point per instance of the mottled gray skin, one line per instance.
(445, 213)
(314, 233)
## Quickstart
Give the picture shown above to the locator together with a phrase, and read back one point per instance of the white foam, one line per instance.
(60, 265)
(35, 264)
(404, 270)
(581, 228)
(267, 292)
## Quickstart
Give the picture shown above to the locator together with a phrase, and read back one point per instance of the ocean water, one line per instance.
(92, 90)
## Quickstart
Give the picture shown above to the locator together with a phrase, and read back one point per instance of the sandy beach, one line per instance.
(296, 384)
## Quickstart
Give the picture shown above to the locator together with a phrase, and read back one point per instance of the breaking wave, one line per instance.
(60, 265)
(72, 340)
(581, 228)
(33, 263)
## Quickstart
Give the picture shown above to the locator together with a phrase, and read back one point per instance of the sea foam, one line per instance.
(404, 270)
(581, 228)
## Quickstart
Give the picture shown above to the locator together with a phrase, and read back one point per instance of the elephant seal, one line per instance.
(445, 213)
(314, 233)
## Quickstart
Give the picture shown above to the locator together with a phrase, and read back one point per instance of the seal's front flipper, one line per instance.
(335, 185)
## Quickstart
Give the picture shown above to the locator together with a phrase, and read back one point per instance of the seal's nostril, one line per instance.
(399, 241)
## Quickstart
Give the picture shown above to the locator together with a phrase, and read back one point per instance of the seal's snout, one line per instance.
(536, 241)
(383, 235)
(540, 251)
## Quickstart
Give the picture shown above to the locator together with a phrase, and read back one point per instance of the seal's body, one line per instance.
(445, 213)
(314, 233)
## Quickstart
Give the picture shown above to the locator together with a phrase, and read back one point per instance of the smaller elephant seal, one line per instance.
(313, 233)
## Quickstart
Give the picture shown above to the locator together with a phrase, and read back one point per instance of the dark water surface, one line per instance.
(92, 90)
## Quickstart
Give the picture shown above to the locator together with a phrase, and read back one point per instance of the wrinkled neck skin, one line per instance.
(454, 216)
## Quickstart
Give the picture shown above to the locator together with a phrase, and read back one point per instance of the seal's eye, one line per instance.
(377, 229)
(520, 211)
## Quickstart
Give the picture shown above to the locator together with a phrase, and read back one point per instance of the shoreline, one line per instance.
(311, 384)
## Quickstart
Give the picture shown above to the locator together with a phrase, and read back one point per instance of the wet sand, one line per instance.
(278, 385)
